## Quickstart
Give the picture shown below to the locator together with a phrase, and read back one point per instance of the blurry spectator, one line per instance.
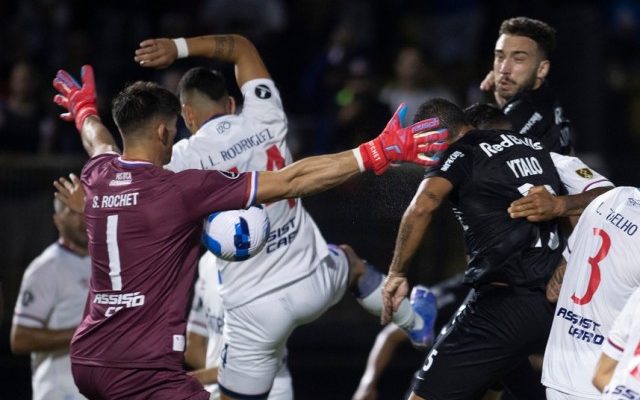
(24, 127)
(359, 111)
(413, 83)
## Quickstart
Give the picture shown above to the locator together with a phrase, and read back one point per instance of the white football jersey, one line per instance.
(255, 140)
(207, 314)
(52, 295)
(206, 318)
(602, 272)
(623, 345)
(576, 176)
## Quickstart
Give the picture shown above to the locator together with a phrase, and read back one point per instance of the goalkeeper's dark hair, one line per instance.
(450, 115)
(139, 103)
(486, 116)
(208, 82)
(540, 32)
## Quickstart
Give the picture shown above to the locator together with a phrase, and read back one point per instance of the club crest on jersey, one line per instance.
(585, 173)
(263, 92)
(27, 298)
(230, 174)
(223, 127)
(631, 202)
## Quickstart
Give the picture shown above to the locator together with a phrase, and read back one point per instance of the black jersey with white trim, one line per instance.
(539, 114)
(488, 170)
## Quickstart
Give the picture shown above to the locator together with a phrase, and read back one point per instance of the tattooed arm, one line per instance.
(233, 49)
(553, 287)
(415, 221)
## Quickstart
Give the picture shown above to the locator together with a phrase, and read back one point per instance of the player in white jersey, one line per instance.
(50, 306)
(204, 330)
(618, 372)
(297, 276)
(600, 274)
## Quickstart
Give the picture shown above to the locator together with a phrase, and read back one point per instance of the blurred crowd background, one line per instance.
(342, 67)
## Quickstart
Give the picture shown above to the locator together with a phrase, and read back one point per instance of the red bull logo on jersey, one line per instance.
(508, 141)
(581, 328)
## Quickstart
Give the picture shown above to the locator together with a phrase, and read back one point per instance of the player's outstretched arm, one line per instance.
(234, 49)
(379, 357)
(540, 205)
(80, 103)
(317, 174)
(414, 223)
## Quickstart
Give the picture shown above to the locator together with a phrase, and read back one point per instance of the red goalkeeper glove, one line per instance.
(397, 144)
(80, 102)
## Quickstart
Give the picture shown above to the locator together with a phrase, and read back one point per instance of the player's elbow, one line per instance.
(420, 209)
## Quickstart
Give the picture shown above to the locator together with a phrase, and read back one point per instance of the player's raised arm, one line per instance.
(80, 103)
(415, 221)
(234, 49)
(316, 174)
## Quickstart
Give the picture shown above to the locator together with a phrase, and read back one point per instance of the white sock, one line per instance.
(405, 317)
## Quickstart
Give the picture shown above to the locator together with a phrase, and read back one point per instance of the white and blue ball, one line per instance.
(236, 235)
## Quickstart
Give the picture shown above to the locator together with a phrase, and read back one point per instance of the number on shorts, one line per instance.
(430, 357)
(594, 262)
(113, 252)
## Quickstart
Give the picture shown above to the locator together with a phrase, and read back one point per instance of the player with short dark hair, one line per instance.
(510, 260)
(144, 225)
(297, 266)
(521, 65)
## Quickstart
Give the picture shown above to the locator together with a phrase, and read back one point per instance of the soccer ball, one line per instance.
(236, 235)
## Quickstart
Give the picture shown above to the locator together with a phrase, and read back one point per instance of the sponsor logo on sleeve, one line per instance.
(263, 92)
(586, 173)
(452, 158)
(230, 174)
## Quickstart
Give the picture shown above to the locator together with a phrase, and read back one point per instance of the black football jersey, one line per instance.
(489, 169)
(538, 113)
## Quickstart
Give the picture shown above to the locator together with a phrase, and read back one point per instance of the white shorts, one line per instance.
(553, 394)
(255, 333)
(282, 388)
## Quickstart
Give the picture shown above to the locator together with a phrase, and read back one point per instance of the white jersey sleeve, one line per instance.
(602, 273)
(576, 176)
(262, 102)
(37, 295)
(619, 335)
(623, 345)
(52, 296)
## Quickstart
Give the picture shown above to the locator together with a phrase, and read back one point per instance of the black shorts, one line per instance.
(490, 339)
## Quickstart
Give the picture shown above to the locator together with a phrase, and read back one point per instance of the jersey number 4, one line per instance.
(594, 262)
